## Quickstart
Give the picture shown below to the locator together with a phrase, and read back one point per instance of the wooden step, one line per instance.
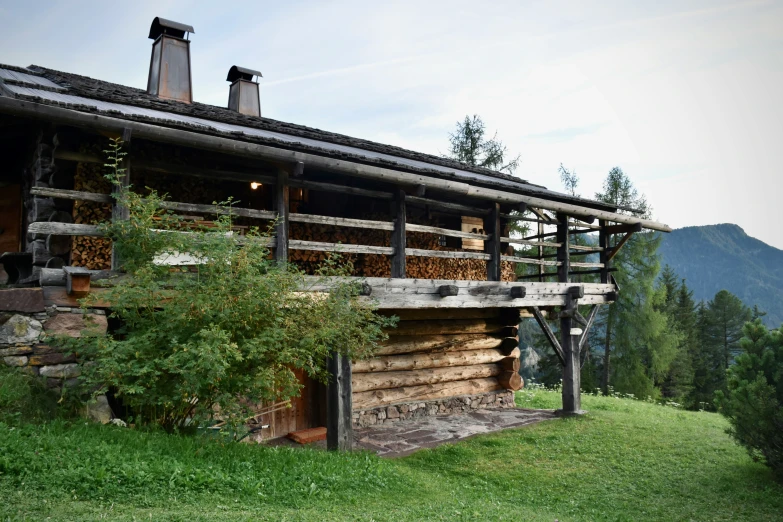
(308, 436)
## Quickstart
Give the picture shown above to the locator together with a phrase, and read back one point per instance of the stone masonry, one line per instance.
(415, 410)
(23, 341)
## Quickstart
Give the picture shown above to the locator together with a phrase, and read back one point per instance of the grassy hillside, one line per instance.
(626, 460)
(717, 257)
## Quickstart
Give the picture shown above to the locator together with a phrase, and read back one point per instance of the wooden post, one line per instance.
(492, 246)
(281, 205)
(398, 242)
(603, 242)
(120, 212)
(568, 343)
(541, 270)
(339, 430)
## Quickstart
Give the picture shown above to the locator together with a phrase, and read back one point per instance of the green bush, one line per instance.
(217, 339)
(753, 402)
(24, 398)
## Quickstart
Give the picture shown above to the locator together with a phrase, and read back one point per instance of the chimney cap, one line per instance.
(162, 26)
(236, 72)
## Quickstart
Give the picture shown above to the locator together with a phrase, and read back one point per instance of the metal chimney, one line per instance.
(243, 96)
(170, 63)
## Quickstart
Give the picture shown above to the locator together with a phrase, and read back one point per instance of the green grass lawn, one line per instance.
(625, 460)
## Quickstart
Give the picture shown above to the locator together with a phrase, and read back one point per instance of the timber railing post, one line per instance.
(568, 342)
(339, 430)
(603, 243)
(281, 205)
(492, 246)
(120, 212)
(398, 242)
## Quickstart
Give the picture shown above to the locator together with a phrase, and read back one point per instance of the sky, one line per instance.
(684, 96)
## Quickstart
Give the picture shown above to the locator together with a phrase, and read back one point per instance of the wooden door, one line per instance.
(10, 218)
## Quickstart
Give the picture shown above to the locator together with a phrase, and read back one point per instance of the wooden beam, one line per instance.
(423, 361)
(363, 382)
(603, 243)
(297, 244)
(281, 205)
(588, 324)
(445, 232)
(563, 251)
(339, 429)
(428, 392)
(613, 252)
(341, 222)
(398, 239)
(446, 206)
(492, 246)
(340, 189)
(238, 147)
(550, 335)
(623, 229)
(64, 229)
(446, 254)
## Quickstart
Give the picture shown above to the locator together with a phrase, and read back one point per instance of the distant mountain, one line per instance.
(717, 257)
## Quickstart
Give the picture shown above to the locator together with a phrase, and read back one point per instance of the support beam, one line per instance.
(398, 235)
(623, 229)
(618, 246)
(588, 325)
(603, 257)
(350, 166)
(339, 431)
(492, 246)
(118, 211)
(568, 342)
(550, 335)
(281, 205)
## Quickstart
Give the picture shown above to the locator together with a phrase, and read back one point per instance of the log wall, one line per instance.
(441, 358)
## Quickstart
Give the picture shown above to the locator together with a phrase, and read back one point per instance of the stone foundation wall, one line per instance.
(23, 341)
(414, 410)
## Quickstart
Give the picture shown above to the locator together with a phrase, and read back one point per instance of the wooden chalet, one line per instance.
(428, 235)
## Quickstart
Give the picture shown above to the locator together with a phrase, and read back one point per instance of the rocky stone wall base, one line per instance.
(23, 341)
(414, 410)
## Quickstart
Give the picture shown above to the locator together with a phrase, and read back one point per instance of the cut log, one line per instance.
(510, 380)
(376, 398)
(432, 360)
(511, 363)
(443, 313)
(440, 327)
(385, 380)
(397, 344)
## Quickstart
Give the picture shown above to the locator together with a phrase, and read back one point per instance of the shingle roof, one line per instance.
(80, 92)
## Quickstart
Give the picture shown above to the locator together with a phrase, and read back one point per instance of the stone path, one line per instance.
(405, 437)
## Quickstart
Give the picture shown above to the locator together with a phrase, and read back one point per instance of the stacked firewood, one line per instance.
(378, 265)
(91, 252)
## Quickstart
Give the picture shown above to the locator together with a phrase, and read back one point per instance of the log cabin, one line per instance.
(430, 237)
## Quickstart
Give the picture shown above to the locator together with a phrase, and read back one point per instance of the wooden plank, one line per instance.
(398, 237)
(168, 205)
(281, 227)
(448, 254)
(428, 392)
(64, 229)
(57, 295)
(446, 232)
(25, 300)
(75, 195)
(363, 382)
(492, 246)
(339, 429)
(529, 261)
(425, 315)
(455, 208)
(422, 361)
(575, 264)
(236, 146)
(404, 344)
(341, 222)
(550, 335)
(449, 326)
(296, 244)
(518, 241)
(340, 189)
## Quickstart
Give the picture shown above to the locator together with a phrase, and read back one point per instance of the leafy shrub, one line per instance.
(218, 338)
(753, 402)
(24, 398)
